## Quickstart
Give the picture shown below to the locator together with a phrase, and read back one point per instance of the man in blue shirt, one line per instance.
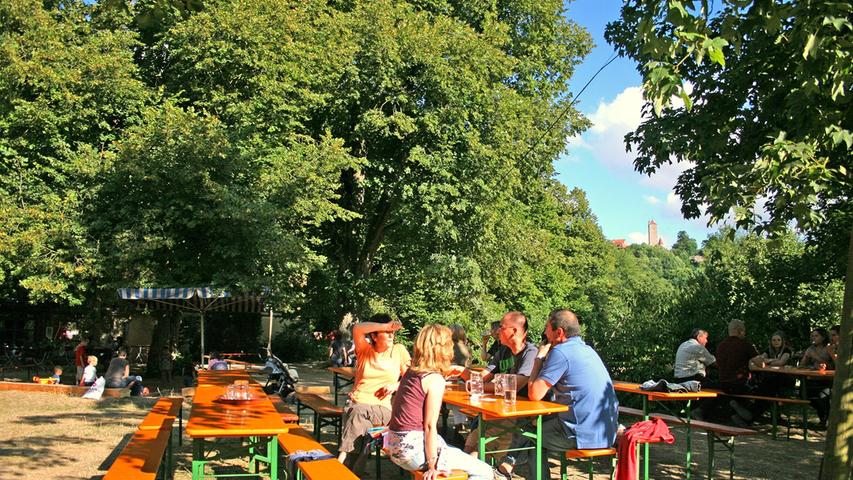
(575, 375)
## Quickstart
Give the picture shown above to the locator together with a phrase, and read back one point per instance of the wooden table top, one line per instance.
(209, 418)
(630, 387)
(343, 371)
(796, 371)
(494, 408)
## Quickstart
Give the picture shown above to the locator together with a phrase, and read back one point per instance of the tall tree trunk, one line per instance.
(837, 461)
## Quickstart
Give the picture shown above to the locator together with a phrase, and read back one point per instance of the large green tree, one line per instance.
(67, 89)
(764, 122)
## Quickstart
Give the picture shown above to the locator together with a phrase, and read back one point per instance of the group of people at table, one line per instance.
(405, 393)
(735, 357)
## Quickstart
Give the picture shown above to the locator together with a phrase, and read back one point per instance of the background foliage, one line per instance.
(354, 157)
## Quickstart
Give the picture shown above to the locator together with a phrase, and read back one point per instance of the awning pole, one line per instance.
(269, 342)
(202, 340)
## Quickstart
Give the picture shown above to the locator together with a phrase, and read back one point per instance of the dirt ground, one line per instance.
(56, 437)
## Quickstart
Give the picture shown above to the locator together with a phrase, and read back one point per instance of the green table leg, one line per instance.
(198, 459)
(689, 451)
(805, 395)
(272, 453)
(539, 471)
(646, 445)
(481, 431)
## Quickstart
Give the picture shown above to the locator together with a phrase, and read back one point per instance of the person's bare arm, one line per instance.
(433, 386)
(361, 330)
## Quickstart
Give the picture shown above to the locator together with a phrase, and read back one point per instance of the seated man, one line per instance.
(516, 357)
(216, 363)
(734, 355)
(118, 375)
(575, 374)
(692, 357)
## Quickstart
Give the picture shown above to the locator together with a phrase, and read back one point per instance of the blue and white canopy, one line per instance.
(196, 299)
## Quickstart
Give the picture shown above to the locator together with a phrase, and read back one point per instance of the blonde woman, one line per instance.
(413, 442)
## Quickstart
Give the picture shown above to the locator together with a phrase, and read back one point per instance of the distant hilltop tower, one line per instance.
(653, 233)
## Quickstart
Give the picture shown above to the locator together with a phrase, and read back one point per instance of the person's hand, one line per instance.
(394, 325)
(543, 350)
(386, 391)
(433, 474)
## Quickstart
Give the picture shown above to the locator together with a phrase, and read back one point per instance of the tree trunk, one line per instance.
(837, 464)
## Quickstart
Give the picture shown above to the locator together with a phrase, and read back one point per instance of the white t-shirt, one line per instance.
(89, 374)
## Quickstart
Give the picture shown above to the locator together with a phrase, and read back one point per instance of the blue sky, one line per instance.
(622, 199)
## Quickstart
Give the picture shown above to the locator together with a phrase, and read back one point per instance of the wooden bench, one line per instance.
(287, 414)
(326, 413)
(588, 453)
(298, 439)
(141, 458)
(165, 408)
(775, 403)
(70, 390)
(714, 432)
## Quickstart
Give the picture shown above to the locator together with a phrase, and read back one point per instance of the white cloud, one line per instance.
(637, 237)
(651, 199)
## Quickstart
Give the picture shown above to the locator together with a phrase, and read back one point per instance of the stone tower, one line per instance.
(653, 233)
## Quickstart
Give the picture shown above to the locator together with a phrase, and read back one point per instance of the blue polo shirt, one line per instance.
(580, 380)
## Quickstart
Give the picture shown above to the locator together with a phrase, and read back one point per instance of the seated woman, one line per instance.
(379, 367)
(413, 442)
(818, 356)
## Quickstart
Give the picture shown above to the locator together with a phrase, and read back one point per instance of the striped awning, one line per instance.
(197, 299)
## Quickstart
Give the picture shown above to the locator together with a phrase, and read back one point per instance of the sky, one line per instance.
(623, 200)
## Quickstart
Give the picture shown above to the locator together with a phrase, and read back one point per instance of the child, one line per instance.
(57, 374)
(90, 373)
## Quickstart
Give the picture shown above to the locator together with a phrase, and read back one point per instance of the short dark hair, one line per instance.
(381, 318)
(496, 324)
(567, 320)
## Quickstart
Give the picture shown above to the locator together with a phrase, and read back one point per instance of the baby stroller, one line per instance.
(281, 379)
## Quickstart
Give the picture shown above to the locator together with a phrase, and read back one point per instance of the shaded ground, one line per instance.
(56, 437)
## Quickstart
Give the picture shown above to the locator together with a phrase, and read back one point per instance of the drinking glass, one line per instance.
(474, 386)
(509, 389)
(499, 384)
(231, 392)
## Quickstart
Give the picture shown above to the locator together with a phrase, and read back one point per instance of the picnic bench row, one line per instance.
(142, 457)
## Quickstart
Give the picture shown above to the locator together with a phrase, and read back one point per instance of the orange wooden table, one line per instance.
(491, 408)
(342, 377)
(258, 421)
(634, 388)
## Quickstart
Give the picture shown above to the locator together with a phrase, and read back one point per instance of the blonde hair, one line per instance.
(433, 350)
(92, 360)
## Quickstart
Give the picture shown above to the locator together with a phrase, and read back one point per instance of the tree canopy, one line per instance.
(763, 122)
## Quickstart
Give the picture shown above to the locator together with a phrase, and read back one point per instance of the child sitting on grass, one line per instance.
(57, 374)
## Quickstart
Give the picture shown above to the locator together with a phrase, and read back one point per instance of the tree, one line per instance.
(67, 90)
(764, 119)
(684, 245)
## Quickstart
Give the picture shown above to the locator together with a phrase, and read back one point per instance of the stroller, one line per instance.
(281, 379)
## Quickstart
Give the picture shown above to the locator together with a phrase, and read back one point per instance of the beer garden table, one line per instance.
(258, 421)
(804, 374)
(634, 388)
(490, 409)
